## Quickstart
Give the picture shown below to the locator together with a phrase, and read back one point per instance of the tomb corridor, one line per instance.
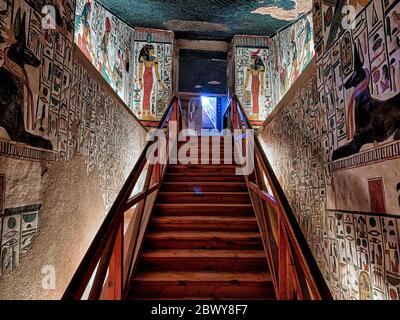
(212, 150)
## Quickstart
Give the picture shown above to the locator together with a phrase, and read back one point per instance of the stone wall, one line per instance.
(65, 137)
(345, 198)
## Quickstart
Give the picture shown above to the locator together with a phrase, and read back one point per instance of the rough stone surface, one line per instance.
(23, 181)
(65, 232)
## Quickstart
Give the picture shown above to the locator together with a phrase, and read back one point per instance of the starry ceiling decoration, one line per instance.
(210, 19)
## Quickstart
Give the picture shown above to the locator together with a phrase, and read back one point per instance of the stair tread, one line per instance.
(185, 219)
(184, 298)
(203, 239)
(202, 174)
(193, 253)
(204, 205)
(217, 183)
(202, 234)
(203, 276)
(205, 192)
(203, 165)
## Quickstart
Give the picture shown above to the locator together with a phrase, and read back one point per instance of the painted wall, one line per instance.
(65, 137)
(107, 42)
(152, 60)
(116, 50)
(295, 50)
(253, 80)
(334, 144)
(265, 68)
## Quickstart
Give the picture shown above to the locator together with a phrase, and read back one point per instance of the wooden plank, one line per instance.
(253, 278)
(211, 186)
(203, 240)
(203, 260)
(203, 209)
(204, 197)
(211, 223)
(203, 177)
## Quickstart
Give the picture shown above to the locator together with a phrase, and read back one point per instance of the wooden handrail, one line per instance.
(307, 281)
(98, 256)
(265, 195)
(140, 196)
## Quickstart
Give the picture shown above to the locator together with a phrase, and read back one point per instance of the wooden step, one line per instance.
(210, 223)
(203, 260)
(208, 159)
(192, 186)
(211, 144)
(203, 240)
(202, 168)
(203, 209)
(211, 152)
(214, 285)
(203, 177)
(204, 197)
(197, 161)
(187, 147)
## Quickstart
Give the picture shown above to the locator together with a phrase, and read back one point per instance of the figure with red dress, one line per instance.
(255, 71)
(148, 66)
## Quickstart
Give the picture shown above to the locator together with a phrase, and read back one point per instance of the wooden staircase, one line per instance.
(203, 240)
(192, 233)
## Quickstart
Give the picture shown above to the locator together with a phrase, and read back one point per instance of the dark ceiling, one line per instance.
(208, 19)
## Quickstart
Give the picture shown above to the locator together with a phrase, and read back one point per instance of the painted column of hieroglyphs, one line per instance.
(136, 63)
(336, 150)
(265, 68)
(42, 120)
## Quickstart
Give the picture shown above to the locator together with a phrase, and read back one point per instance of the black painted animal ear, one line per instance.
(17, 23)
(358, 60)
(19, 27)
(22, 36)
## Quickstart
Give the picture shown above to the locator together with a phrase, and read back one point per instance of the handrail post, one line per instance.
(116, 277)
(282, 261)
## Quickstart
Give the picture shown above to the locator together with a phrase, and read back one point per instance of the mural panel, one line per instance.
(358, 84)
(253, 81)
(152, 56)
(35, 73)
(103, 130)
(266, 68)
(107, 42)
(356, 251)
(52, 107)
(296, 48)
(136, 63)
(29, 108)
(335, 149)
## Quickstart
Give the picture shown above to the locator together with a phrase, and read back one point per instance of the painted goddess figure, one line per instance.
(255, 69)
(147, 62)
